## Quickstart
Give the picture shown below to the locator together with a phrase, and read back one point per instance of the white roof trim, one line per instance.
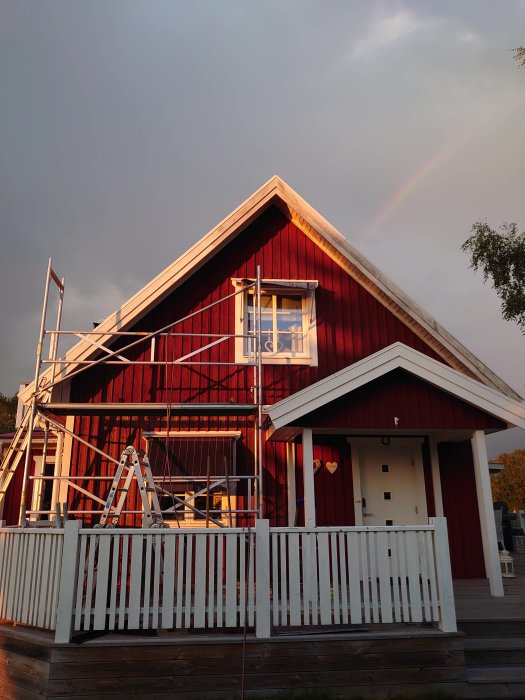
(275, 190)
(397, 356)
(277, 283)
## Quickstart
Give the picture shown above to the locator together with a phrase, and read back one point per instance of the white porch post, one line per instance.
(488, 527)
(292, 490)
(308, 478)
(263, 608)
(447, 611)
(436, 477)
(68, 582)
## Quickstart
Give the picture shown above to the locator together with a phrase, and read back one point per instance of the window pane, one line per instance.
(290, 342)
(289, 302)
(266, 322)
(282, 323)
(266, 301)
(290, 322)
(268, 344)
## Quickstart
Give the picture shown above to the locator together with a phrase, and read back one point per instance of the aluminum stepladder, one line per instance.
(135, 464)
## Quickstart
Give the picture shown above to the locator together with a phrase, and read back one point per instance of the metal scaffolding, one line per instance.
(43, 412)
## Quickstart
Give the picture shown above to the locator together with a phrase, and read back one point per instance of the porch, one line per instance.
(76, 581)
(366, 660)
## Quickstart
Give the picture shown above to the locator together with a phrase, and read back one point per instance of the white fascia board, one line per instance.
(397, 356)
(331, 388)
(168, 280)
(392, 291)
(472, 392)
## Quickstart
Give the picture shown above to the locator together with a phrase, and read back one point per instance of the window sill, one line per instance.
(283, 360)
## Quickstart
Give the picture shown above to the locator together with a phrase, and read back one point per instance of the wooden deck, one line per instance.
(210, 667)
(474, 602)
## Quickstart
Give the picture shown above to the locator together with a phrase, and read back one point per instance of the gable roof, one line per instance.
(396, 356)
(277, 192)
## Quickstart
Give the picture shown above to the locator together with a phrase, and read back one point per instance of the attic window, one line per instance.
(288, 325)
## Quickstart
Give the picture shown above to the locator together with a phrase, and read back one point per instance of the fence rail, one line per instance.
(75, 579)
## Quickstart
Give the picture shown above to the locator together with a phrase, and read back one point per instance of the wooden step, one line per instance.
(496, 674)
(489, 682)
(493, 628)
(495, 651)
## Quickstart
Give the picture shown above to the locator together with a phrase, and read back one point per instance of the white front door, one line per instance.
(392, 485)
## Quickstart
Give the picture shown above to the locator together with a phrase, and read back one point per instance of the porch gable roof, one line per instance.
(397, 356)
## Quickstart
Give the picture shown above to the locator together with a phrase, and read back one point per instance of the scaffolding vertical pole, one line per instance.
(53, 352)
(25, 479)
(55, 494)
(260, 504)
(253, 356)
(53, 346)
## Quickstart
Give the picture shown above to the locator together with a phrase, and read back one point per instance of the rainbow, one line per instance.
(404, 191)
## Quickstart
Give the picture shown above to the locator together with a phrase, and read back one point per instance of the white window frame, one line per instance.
(304, 289)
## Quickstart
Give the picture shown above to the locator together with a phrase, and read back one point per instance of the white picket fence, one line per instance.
(213, 579)
(332, 576)
(30, 565)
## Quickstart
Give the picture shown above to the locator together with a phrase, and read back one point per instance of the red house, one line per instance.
(273, 372)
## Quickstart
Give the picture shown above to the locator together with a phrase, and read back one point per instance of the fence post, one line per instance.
(447, 617)
(262, 579)
(68, 582)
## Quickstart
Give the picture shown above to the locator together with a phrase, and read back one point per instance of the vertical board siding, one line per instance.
(334, 493)
(351, 324)
(460, 506)
(416, 404)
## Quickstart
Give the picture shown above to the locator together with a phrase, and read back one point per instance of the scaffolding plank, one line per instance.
(147, 409)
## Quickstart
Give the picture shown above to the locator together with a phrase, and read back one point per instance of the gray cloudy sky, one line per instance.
(128, 129)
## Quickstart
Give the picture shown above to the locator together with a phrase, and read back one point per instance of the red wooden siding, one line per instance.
(460, 505)
(334, 493)
(11, 513)
(417, 404)
(351, 324)
(117, 432)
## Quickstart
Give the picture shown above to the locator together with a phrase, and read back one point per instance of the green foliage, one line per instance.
(501, 257)
(8, 406)
(519, 55)
(509, 485)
